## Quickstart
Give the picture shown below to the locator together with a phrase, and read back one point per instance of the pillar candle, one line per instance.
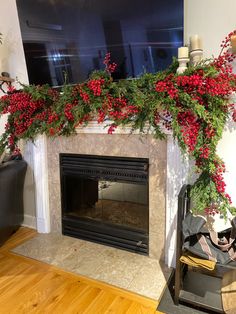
(233, 43)
(195, 43)
(182, 52)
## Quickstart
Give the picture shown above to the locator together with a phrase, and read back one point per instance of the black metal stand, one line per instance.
(198, 288)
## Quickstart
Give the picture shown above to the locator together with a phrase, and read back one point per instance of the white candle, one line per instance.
(182, 52)
(233, 43)
(195, 43)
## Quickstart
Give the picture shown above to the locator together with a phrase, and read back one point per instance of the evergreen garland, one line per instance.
(194, 105)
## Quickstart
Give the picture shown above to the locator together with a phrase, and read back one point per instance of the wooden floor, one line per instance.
(29, 286)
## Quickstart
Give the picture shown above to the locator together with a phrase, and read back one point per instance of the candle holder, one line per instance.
(196, 56)
(182, 65)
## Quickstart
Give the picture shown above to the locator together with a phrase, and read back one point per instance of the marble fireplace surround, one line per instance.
(166, 175)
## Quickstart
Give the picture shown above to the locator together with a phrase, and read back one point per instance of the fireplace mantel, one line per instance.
(176, 175)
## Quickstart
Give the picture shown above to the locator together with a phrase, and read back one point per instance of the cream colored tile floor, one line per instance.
(123, 269)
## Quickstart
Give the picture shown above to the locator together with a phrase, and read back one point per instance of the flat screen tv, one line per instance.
(69, 38)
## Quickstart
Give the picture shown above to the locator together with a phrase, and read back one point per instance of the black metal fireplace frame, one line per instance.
(102, 167)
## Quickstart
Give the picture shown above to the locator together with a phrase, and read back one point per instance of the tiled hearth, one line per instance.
(134, 272)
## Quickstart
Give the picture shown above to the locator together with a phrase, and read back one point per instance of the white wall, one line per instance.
(12, 60)
(11, 51)
(213, 20)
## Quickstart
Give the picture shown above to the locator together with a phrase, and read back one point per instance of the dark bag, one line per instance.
(218, 247)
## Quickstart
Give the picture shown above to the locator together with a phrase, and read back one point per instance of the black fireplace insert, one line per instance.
(105, 199)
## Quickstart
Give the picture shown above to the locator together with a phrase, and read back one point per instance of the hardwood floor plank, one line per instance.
(100, 303)
(18, 237)
(57, 298)
(38, 295)
(7, 266)
(15, 277)
(82, 302)
(29, 286)
(69, 295)
(137, 308)
(119, 306)
(18, 292)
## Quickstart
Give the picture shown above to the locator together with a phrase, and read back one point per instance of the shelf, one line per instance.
(202, 290)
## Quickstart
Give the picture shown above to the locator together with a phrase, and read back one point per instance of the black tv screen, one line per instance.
(68, 39)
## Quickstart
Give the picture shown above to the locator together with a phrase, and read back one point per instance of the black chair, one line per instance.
(199, 288)
(12, 177)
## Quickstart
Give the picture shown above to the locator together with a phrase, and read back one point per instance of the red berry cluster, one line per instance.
(189, 126)
(118, 108)
(53, 94)
(199, 164)
(85, 97)
(204, 152)
(101, 116)
(26, 113)
(218, 179)
(198, 86)
(224, 61)
(52, 131)
(52, 117)
(112, 128)
(211, 210)
(232, 109)
(225, 44)
(96, 86)
(11, 141)
(110, 67)
(209, 132)
(68, 112)
(78, 93)
(189, 82)
(167, 86)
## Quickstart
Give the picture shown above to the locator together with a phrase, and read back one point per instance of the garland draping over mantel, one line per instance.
(194, 105)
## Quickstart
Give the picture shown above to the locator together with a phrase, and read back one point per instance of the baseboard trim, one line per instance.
(29, 221)
(42, 225)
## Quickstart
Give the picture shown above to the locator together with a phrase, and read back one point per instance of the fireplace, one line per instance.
(115, 145)
(105, 199)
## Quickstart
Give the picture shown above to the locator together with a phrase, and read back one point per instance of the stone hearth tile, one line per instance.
(116, 272)
(81, 262)
(156, 277)
(119, 267)
(134, 272)
(49, 248)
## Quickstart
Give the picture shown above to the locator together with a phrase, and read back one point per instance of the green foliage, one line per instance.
(193, 106)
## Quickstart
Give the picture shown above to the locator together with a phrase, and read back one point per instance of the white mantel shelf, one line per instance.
(177, 170)
(102, 128)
